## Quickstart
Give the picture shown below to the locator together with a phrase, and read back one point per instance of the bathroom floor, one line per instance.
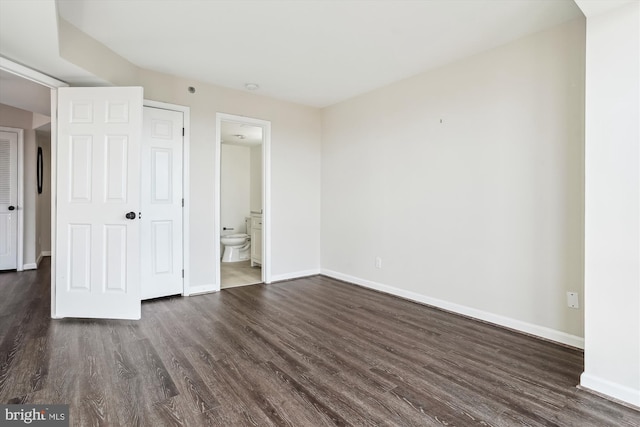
(241, 273)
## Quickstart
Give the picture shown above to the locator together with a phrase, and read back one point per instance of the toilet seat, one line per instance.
(236, 235)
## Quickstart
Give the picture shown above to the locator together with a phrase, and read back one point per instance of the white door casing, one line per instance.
(98, 183)
(8, 200)
(161, 234)
(266, 193)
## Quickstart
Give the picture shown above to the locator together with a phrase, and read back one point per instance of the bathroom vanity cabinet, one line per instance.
(256, 239)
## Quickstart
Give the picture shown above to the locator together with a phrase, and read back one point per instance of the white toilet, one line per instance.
(237, 247)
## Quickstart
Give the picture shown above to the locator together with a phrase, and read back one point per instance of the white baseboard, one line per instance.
(202, 289)
(30, 266)
(42, 255)
(518, 325)
(34, 265)
(610, 389)
(294, 275)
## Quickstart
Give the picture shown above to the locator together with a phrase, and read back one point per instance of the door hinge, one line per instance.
(183, 203)
(183, 273)
(182, 131)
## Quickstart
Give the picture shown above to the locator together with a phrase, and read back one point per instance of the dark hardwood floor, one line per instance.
(307, 352)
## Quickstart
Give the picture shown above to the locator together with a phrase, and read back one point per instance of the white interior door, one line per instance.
(98, 200)
(8, 200)
(161, 203)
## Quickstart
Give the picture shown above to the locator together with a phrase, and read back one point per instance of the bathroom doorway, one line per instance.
(241, 230)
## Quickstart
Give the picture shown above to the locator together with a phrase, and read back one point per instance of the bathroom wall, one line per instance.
(467, 183)
(256, 179)
(235, 188)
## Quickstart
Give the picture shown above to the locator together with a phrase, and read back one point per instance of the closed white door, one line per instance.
(98, 201)
(161, 260)
(8, 200)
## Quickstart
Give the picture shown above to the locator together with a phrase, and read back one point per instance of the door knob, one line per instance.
(130, 215)
(12, 208)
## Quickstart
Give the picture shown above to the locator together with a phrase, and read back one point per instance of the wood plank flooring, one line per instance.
(307, 352)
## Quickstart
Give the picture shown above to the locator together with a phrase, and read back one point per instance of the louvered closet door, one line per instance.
(8, 200)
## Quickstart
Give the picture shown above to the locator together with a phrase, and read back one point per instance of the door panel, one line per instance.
(116, 154)
(80, 168)
(161, 198)
(115, 278)
(8, 198)
(161, 176)
(162, 235)
(98, 183)
(79, 269)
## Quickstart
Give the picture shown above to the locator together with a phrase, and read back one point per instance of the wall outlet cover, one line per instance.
(572, 300)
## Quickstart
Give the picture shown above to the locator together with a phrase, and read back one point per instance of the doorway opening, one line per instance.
(242, 201)
(25, 166)
(38, 82)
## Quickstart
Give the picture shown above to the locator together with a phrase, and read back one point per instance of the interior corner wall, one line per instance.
(234, 188)
(467, 183)
(17, 118)
(255, 204)
(86, 52)
(612, 225)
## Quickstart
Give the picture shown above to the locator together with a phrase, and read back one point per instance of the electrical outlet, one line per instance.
(572, 300)
(378, 262)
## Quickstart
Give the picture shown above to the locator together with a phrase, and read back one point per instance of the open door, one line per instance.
(98, 202)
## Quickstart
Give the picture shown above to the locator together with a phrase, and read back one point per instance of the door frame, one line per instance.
(266, 192)
(20, 196)
(186, 122)
(53, 84)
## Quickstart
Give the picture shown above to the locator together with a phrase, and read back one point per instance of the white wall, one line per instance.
(256, 179)
(17, 118)
(612, 229)
(295, 166)
(38, 209)
(295, 157)
(234, 188)
(43, 200)
(468, 182)
(30, 191)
